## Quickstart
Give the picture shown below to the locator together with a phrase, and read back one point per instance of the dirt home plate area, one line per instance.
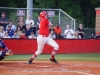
(49, 68)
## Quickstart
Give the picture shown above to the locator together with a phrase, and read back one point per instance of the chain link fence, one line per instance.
(59, 17)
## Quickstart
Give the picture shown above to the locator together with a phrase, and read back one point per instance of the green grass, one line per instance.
(91, 57)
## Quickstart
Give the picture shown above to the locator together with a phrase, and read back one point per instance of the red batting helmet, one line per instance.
(43, 14)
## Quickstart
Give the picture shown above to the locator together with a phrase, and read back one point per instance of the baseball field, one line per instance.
(68, 64)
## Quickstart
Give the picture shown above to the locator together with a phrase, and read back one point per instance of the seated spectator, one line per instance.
(21, 25)
(19, 32)
(23, 35)
(52, 35)
(76, 36)
(37, 32)
(69, 33)
(32, 36)
(15, 35)
(28, 30)
(29, 21)
(6, 35)
(21, 19)
(4, 21)
(52, 32)
(58, 31)
(33, 28)
(13, 27)
(38, 25)
(38, 21)
(2, 32)
(80, 30)
(10, 31)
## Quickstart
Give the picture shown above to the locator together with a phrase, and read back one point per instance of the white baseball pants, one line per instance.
(42, 40)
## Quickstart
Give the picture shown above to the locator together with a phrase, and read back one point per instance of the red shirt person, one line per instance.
(44, 38)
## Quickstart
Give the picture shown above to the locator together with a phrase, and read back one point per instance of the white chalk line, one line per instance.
(73, 65)
(84, 73)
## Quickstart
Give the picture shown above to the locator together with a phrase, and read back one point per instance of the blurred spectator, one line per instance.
(58, 31)
(23, 35)
(15, 35)
(69, 33)
(38, 25)
(80, 30)
(2, 32)
(10, 31)
(51, 29)
(38, 21)
(6, 35)
(33, 28)
(37, 31)
(21, 19)
(52, 33)
(13, 27)
(76, 36)
(29, 21)
(28, 30)
(3, 20)
(19, 32)
(21, 25)
(32, 36)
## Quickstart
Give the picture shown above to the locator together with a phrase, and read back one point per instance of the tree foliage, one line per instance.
(82, 10)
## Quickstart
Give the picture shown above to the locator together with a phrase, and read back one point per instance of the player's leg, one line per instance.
(5, 52)
(39, 48)
(3, 46)
(2, 55)
(41, 42)
(52, 43)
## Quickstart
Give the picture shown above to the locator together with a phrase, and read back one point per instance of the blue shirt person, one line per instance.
(4, 21)
(10, 31)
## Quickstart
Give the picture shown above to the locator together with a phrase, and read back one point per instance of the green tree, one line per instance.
(82, 10)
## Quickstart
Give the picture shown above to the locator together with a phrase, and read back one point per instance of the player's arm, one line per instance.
(50, 24)
(6, 50)
(2, 56)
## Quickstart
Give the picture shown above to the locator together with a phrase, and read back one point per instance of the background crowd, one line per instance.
(29, 29)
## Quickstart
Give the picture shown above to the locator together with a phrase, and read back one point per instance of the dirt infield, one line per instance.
(49, 68)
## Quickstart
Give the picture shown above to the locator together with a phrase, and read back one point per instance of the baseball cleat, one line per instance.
(30, 61)
(53, 60)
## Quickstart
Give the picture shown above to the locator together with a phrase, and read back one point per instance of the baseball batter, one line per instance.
(44, 38)
(6, 52)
